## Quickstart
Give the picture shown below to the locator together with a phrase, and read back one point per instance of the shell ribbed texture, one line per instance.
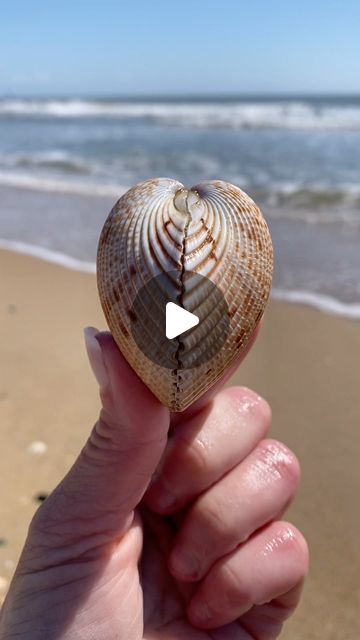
(214, 229)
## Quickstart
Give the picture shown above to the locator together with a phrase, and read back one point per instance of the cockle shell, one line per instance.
(160, 228)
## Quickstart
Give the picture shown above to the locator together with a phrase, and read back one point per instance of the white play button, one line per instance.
(178, 320)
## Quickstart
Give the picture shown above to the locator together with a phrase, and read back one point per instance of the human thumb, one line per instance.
(112, 472)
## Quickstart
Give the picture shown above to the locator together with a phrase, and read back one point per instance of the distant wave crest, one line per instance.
(231, 115)
(56, 159)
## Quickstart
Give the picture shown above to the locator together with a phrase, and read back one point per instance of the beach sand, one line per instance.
(305, 363)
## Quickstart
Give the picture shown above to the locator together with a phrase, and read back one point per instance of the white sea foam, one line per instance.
(48, 255)
(319, 301)
(318, 205)
(234, 115)
(54, 185)
(50, 159)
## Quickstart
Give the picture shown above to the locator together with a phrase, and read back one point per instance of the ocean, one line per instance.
(64, 162)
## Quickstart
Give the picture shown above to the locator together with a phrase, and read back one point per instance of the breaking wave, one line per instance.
(282, 114)
(319, 204)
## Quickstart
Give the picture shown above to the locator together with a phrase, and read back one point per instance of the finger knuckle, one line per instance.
(197, 457)
(213, 519)
(235, 589)
(281, 461)
(254, 404)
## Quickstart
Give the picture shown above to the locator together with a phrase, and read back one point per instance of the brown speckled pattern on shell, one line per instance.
(224, 237)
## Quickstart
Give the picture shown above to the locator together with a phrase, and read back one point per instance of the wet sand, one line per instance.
(306, 363)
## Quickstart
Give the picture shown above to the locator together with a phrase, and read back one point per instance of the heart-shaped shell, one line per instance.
(213, 229)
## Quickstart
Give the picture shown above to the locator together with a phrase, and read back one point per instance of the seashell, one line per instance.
(209, 250)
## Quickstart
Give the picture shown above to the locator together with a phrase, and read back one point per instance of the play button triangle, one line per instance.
(178, 320)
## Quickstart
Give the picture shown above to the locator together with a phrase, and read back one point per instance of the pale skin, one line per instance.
(203, 553)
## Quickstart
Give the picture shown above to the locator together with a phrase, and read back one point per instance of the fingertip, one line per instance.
(127, 389)
(285, 548)
(299, 549)
(250, 399)
(200, 614)
(106, 341)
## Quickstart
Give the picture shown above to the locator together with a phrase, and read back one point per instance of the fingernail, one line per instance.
(184, 565)
(95, 357)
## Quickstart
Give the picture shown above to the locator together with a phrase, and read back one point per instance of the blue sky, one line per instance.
(165, 47)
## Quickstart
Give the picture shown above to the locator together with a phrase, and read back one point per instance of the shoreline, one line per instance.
(64, 228)
(318, 301)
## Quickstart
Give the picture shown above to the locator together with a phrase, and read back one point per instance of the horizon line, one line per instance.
(182, 95)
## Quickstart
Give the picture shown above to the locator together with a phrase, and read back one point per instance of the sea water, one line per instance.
(64, 162)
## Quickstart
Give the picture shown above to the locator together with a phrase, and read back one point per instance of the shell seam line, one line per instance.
(180, 301)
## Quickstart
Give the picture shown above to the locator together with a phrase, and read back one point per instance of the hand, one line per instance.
(200, 554)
